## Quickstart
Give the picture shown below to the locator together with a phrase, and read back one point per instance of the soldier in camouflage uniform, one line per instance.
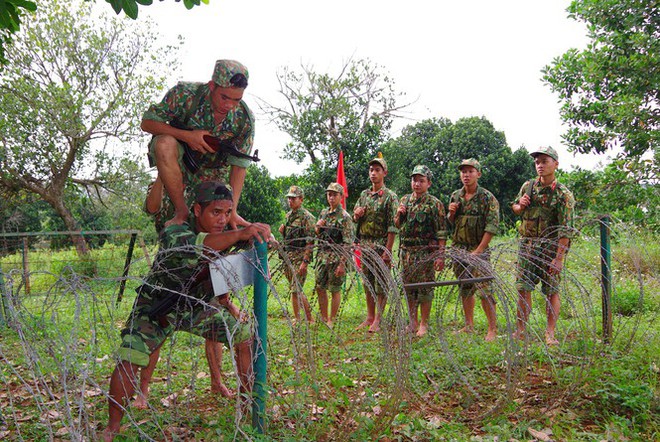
(333, 229)
(375, 230)
(422, 236)
(298, 241)
(215, 108)
(178, 271)
(546, 208)
(475, 214)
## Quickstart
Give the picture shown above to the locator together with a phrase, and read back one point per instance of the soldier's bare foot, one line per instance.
(467, 329)
(222, 390)
(140, 402)
(550, 339)
(412, 328)
(366, 323)
(108, 435)
(491, 336)
(519, 335)
(179, 218)
(375, 327)
(422, 330)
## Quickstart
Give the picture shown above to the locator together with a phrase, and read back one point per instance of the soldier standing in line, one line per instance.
(546, 207)
(374, 217)
(334, 228)
(422, 229)
(475, 214)
(298, 234)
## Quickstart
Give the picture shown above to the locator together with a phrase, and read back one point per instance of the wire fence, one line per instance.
(335, 382)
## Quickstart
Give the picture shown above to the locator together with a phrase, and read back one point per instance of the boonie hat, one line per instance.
(294, 192)
(335, 187)
(420, 169)
(470, 162)
(212, 191)
(546, 150)
(225, 70)
(380, 161)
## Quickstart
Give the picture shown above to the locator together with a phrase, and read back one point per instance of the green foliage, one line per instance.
(10, 21)
(351, 111)
(72, 98)
(611, 91)
(260, 199)
(442, 145)
(130, 7)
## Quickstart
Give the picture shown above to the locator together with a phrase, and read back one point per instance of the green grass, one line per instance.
(341, 384)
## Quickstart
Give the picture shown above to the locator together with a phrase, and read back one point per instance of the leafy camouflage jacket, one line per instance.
(378, 219)
(298, 225)
(238, 126)
(423, 222)
(338, 228)
(474, 217)
(550, 213)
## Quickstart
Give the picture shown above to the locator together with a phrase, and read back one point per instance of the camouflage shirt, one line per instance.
(338, 228)
(474, 217)
(378, 219)
(237, 127)
(423, 222)
(298, 225)
(550, 213)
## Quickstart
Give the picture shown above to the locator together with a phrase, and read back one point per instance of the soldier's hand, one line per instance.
(401, 210)
(302, 270)
(281, 229)
(236, 221)
(257, 231)
(453, 207)
(387, 258)
(555, 266)
(195, 140)
(340, 270)
(439, 264)
(358, 212)
(524, 201)
(321, 223)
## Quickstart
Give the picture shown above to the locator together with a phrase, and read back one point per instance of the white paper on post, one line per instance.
(233, 272)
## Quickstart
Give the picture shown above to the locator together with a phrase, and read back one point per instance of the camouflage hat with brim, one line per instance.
(225, 70)
(545, 150)
(420, 169)
(295, 191)
(470, 162)
(212, 191)
(380, 161)
(335, 187)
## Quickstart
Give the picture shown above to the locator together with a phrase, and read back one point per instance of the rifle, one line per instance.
(192, 158)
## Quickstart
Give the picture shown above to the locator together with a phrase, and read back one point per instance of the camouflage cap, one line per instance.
(380, 161)
(225, 70)
(295, 191)
(545, 150)
(335, 187)
(420, 169)
(212, 191)
(470, 162)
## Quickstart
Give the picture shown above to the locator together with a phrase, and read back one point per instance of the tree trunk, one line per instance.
(71, 225)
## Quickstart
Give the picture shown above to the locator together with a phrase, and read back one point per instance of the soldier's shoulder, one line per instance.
(488, 193)
(188, 87)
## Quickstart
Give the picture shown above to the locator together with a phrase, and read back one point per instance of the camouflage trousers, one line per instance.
(467, 266)
(142, 335)
(372, 266)
(190, 181)
(296, 281)
(534, 258)
(417, 266)
(326, 265)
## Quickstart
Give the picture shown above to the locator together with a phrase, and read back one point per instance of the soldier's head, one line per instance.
(420, 179)
(227, 85)
(546, 161)
(470, 171)
(213, 205)
(333, 194)
(295, 197)
(377, 170)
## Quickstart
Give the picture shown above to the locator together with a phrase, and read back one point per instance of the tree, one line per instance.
(611, 91)
(10, 21)
(130, 7)
(442, 145)
(323, 113)
(72, 95)
(260, 200)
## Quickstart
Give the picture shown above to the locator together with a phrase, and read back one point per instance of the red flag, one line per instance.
(341, 178)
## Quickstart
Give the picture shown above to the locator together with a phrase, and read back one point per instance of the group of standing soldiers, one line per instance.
(420, 220)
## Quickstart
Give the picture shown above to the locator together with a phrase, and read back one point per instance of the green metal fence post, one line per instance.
(261, 316)
(606, 276)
